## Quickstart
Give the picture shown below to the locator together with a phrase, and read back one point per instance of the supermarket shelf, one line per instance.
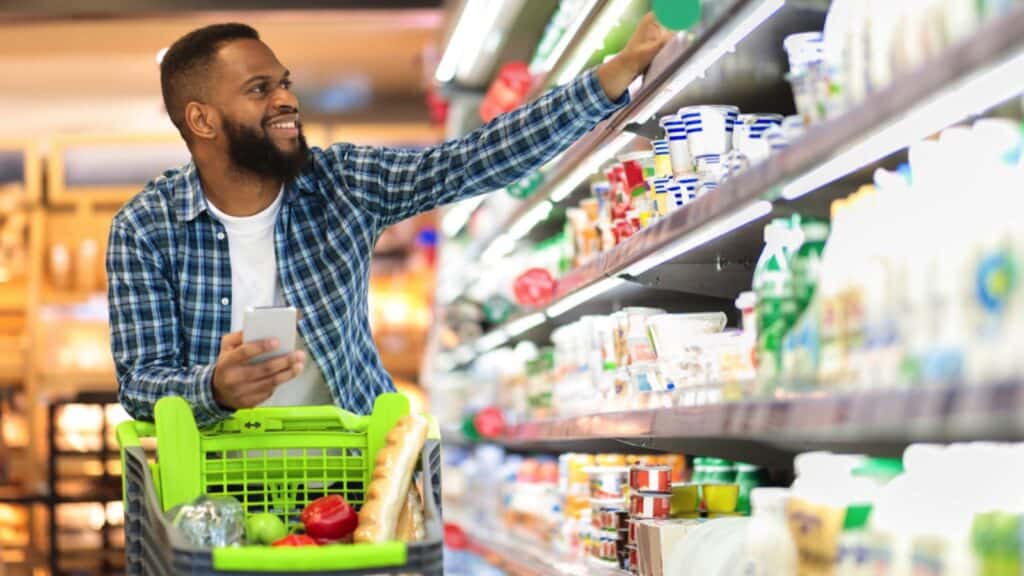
(569, 46)
(708, 247)
(522, 558)
(19, 495)
(881, 422)
(611, 136)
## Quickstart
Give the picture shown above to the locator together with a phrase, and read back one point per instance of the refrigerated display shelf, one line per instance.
(771, 432)
(572, 42)
(684, 251)
(521, 558)
(676, 55)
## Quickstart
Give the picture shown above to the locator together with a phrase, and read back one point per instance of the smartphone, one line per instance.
(265, 322)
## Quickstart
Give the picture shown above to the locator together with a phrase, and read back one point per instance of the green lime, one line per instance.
(264, 528)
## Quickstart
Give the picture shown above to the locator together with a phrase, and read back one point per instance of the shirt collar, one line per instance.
(191, 201)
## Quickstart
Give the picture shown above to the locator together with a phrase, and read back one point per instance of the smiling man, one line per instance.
(257, 218)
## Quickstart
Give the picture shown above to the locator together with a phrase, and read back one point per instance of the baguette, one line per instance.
(392, 475)
(410, 519)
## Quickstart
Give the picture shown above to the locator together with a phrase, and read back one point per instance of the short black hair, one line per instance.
(185, 66)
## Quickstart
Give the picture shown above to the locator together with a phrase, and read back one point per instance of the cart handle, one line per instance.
(129, 432)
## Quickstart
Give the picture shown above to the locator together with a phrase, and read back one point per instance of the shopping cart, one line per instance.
(271, 460)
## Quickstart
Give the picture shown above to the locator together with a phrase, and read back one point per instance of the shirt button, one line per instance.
(225, 301)
(220, 235)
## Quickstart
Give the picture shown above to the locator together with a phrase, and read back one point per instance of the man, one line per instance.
(259, 219)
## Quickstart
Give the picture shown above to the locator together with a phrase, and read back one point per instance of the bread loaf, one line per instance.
(410, 519)
(392, 475)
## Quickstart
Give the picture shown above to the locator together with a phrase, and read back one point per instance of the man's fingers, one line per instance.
(267, 368)
(230, 341)
(250, 350)
(269, 383)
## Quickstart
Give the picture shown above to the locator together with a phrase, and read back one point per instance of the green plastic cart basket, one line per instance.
(271, 460)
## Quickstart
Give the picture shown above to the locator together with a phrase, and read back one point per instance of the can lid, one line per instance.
(657, 467)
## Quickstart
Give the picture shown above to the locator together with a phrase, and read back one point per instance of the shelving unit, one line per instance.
(700, 258)
(520, 557)
(102, 489)
(708, 247)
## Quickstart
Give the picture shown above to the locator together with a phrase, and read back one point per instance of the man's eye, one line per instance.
(259, 89)
(286, 84)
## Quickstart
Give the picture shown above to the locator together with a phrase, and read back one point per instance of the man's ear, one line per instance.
(202, 120)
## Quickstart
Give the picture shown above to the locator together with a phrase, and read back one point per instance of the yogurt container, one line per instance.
(651, 479)
(709, 128)
(607, 482)
(677, 136)
(649, 505)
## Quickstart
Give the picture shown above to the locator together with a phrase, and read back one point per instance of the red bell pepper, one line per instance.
(329, 518)
(295, 540)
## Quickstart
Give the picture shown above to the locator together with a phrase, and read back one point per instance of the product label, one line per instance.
(815, 529)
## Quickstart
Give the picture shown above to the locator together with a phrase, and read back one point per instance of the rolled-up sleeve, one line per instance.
(395, 184)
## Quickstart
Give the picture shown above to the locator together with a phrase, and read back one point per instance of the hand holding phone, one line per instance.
(238, 382)
(271, 323)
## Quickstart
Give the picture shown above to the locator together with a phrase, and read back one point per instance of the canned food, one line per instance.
(608, 515)
(649, 505)
(607, 481)
(651, 478)
(608, 549)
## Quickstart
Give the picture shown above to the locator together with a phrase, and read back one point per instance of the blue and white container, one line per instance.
(679, 150)
(709, 128)
(688, 189)
(711, 168)
(678, 196)
(662, 200)
(662, 158)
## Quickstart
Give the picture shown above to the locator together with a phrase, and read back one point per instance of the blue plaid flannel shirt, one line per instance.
(169, 271)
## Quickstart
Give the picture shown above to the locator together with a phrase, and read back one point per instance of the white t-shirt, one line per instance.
(254, 282)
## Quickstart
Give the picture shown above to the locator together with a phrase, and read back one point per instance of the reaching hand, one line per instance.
(239, 384)
(647, 40)
(645, 43)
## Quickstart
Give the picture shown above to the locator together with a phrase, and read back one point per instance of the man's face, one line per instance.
(259, 113)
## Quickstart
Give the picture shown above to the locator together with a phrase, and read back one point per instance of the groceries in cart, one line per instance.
(393, 509)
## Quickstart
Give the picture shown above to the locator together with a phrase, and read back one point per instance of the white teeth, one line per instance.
(283, 125)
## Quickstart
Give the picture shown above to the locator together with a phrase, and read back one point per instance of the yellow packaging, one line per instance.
(815, 529)
(684, 501)
(662, 165)
(721, 498)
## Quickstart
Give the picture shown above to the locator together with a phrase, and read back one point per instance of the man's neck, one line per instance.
(234, 191)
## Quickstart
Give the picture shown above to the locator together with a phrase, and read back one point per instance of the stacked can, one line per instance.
(609, 488)
(650, 494)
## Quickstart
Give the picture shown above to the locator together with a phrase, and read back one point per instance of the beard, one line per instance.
(254, 151)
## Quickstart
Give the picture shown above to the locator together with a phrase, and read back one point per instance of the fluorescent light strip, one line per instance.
(594, 39)
(465, 28)
(738, 29)
(590, 165)
(517, 327)
(702, 235)
(491, 340)
(458, 215)
(535, 216)
(956, 101)
(574, 28)
(583, 295)
(483, 29)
